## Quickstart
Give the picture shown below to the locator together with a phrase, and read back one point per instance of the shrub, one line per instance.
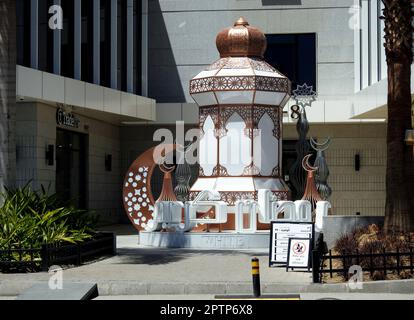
(30, 219)
(372, 239)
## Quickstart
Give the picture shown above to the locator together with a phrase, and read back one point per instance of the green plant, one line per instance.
(30, 218)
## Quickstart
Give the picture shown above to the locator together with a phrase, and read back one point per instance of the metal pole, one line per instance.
(315, 266)
(256, 277)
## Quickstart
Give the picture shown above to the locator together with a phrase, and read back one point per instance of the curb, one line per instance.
(115, 288)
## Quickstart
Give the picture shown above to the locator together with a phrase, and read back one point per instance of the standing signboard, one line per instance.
(299, 253)
(280, 233)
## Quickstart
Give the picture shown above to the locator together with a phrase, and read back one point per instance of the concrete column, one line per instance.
(357, 47)
(374, 42)
(144, 49)
(365, 48)
(34, 34)
(96, 42)
(114, 44)
(130, 46)
(57, 46)
(77, 47)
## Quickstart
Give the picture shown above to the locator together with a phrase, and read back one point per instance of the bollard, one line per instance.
(256, 277)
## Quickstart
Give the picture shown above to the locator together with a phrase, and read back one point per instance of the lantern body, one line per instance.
(241, 100)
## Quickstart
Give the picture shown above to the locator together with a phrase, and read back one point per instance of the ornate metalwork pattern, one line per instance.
(231, 197)
(276, 171)
(239, 83)
(204, 112)
(183, 177)
(322, 174)
(260, 65)
(227, 111)
(275, 113)
(201, 172)
(219, 64)
(251, 170)
(241, 63)
(304, 95)
(221, 171)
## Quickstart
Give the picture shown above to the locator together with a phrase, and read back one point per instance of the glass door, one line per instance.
(71, 167)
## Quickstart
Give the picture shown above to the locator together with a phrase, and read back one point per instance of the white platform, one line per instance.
(224, 240)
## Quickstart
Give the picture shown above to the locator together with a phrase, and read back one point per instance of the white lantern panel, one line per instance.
(270, 183)
(206, 74)
(235, 147)
(235, 72)
(204, 184)
(235, 97)
(205, 98)
(266, 147)
(243, 184)
(269, 98)
(208, 148)
(272, 74)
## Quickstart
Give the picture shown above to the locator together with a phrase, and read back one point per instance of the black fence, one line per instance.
(383, 262)
(41, 259)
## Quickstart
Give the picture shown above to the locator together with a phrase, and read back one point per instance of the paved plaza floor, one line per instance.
(197, 274)
(140, 270)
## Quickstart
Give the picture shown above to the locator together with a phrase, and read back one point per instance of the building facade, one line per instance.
(95, 80)
(81, 72)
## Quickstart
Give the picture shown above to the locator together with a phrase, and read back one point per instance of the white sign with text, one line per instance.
(280, 234)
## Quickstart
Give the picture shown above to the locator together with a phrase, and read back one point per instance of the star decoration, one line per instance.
(304, 95)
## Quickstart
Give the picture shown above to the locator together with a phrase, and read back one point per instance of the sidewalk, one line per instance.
(148, 271)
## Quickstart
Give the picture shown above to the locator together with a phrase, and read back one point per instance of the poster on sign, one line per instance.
(298, 253)
(280, 233)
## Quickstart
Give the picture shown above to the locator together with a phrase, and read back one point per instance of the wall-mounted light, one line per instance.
(50, 155)
(108, 162)
(357, 162)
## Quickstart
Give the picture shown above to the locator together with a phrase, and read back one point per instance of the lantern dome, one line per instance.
(242, 40)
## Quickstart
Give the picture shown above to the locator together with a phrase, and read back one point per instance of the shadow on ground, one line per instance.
(165, 256)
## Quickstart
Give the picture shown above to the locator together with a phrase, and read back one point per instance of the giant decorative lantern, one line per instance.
(241, 99)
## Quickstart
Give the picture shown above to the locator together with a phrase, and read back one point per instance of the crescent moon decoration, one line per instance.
(320, 146)
(311, 192)
(137, 195)
(306, 165)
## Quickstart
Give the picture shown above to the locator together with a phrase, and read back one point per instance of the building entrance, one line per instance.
(71, 172)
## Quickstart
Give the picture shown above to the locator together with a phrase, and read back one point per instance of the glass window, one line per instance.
(105, 46)
(68, 38)
(137, 46)
(122, 57)
(87, 45)
(23, 32)
(45, 37)
(294, 55)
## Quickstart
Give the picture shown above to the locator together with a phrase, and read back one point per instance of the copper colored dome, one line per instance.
(242, 40)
